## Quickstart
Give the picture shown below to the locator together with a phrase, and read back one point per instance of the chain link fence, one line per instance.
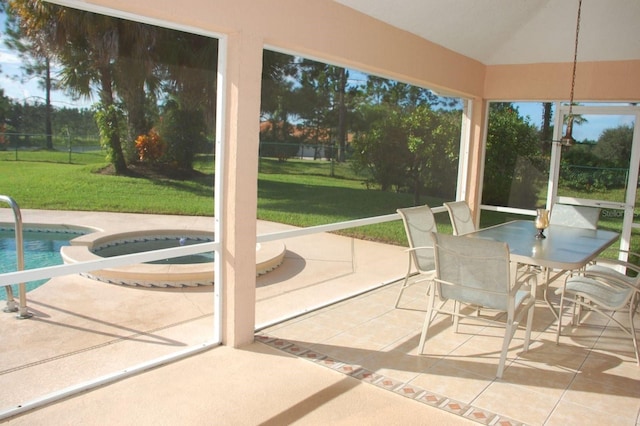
(57, 148)
(320, 159)
(298, 150)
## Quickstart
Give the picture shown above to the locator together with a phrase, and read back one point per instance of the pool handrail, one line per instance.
(22, 310)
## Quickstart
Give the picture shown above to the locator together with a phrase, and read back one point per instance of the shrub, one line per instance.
(150, 147)
(184, 132)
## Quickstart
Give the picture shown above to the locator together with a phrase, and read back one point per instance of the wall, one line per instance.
(595, 81)
(320, 29)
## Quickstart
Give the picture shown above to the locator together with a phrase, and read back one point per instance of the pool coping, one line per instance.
(268, 257)
(50, 228)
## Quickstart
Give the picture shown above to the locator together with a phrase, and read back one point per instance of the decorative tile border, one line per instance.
(407, 390)
(186, 236)
(64, 231)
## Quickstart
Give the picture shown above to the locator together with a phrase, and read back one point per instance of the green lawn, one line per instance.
(297, 192)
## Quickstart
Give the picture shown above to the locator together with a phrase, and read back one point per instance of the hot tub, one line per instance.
(184, 271)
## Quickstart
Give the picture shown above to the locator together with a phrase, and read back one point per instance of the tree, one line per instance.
(5, 106)
(546, 131)
(36, 54)
(134, 78)
(279, 72)
(78, 123)
(317, 103)
(382, 90)
(407, 137)
(182, 130)
(614, 146)
(601, 166)
(411, 147)
(86, 45)
(186, 66)
(512, 159)
(433, 137)
(342, 113)
(382, 148)
(132, 67)
(313, 96)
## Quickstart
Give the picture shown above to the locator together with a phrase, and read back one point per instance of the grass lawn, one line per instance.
(300, 193)
(297, 192)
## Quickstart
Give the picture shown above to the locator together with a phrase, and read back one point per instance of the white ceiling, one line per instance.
(517, 31)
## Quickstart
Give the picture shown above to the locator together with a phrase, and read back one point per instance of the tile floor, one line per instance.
(590, 378)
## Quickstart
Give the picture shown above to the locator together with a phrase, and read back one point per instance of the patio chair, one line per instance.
(461, 218)
(478, 272)
(419, 222)
(601, 293)
(576, 216)
(617, 268)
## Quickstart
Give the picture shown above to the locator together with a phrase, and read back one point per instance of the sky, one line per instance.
(10, 82)
(591, 130)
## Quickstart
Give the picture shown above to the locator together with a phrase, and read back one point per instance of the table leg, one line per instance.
(547, 281)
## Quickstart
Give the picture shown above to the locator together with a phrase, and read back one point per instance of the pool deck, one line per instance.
(353, 362)
(77, 321)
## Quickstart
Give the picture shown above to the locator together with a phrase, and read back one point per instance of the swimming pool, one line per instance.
(41, 249)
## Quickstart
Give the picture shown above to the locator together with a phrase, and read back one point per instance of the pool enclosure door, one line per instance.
(607, 134)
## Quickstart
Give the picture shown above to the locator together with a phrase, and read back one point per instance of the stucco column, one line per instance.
(476, 156)
(240, 187)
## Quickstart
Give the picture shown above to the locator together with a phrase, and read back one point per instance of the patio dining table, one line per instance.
(564, 249)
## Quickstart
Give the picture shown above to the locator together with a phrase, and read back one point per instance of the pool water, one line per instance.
(157, 243)
(41, 249)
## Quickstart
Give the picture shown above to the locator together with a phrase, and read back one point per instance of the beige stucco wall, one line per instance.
(336, 34)
(595, 81)
(324, 30)
(320, 29)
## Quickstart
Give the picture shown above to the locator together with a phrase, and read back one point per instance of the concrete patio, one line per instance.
(353, 362)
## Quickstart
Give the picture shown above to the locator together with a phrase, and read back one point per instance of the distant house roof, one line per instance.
(305, 134)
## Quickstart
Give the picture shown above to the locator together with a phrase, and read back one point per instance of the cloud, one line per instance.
(9, 58)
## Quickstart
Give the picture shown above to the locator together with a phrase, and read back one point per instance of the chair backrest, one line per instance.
(575, 216)
(461, 219)
(419, 223)
(476, 270)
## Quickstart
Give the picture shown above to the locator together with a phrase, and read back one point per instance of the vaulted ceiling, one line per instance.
(517, 31)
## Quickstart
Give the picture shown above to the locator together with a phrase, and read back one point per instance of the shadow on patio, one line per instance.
(83, 329)
(591, 377)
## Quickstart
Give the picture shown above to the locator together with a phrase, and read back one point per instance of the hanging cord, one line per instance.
(575, 61)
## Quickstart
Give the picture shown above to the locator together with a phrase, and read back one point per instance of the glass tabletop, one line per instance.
(564, 248)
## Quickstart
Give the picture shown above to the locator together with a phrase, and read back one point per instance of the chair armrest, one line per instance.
(630, 253)
(616, 262)
(419, 248)
(611, 280)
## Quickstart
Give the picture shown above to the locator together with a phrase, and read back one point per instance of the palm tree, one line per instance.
(86, 45)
